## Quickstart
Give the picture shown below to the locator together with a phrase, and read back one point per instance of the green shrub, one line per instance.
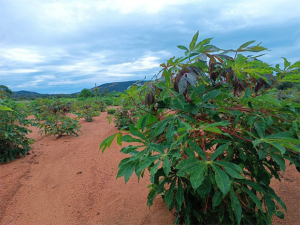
(108, 101)
(111, 111)
(87, 111)
(56, 122)
(214, 135)
(100, 106)
(85, 93)
(124, 118)
(13, 131)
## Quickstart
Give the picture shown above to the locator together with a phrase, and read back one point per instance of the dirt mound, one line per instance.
(69, 181)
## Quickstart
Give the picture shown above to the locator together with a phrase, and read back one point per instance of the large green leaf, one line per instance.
(199, 46)
(222, 179)
(197, 149)
(134, 131)
(213, 130)
(254, 198)
(169, 193)
(147, 162)
(286, 63)
(279, 160)
(197, 175)
(253, 185)
(194, 168)
(220, 150)
(179, 193)
(106, 143)
(182, 47)
(194, 40)
(128, 138)
(236, 206)
(245, 45)
(295, 65)
(5, 108)
(170, 131)
(126, 170)
(217, 199)
(167, 165)
(230, 165)
(160, 126)
(210, 95)
(233, 173)
(167, 74)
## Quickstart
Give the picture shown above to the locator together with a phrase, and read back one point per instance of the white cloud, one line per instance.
(21, 55)
(35, 81)
(9, 72)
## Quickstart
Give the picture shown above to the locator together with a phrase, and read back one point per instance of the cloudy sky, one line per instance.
(63, 46)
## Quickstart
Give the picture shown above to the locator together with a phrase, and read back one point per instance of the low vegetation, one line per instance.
(56, 122)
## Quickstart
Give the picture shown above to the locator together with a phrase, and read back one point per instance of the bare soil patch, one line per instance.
(69, 181)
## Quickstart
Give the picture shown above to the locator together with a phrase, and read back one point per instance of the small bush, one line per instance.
(100, 106)
(56, 122)
(13, 132)
(108, 101)
(124, 118)
(87, 111)
(85, 93)
(111, 111)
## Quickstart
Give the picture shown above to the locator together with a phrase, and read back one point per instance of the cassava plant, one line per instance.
(111, 111)
(13, 131)
(123, 117)
(99, 106)
(56, 122)
(212, 135)
(87, 111)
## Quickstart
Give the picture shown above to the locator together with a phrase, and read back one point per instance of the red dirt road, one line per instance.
(69, 181)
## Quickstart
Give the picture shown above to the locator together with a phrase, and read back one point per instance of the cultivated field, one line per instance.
(69, 181)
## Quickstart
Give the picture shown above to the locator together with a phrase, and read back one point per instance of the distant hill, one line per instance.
(17, 94)
(115, 86)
